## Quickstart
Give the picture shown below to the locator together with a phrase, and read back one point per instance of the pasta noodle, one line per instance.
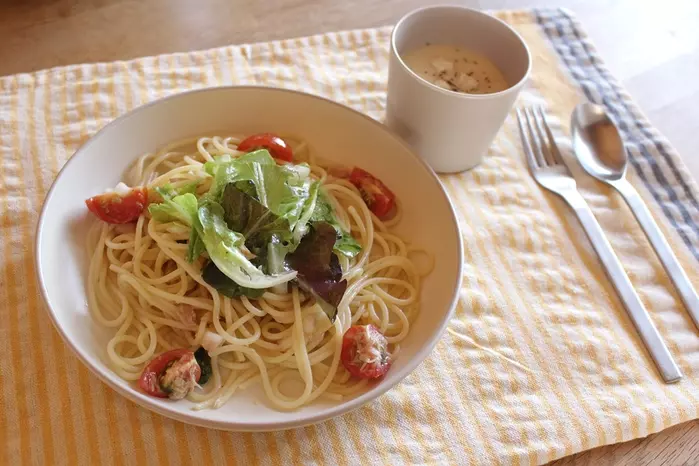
(141, 285)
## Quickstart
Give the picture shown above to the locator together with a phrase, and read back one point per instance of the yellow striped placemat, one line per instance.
(540, 361)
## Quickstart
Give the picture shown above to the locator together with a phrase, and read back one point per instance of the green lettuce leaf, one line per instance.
(226, 170)
(323, 212)
(246, 215)
(267, 235)
(195, 247)
(182, 205)
(309, 211)
(281, 189)
(227, 287)
(276, 252)
(169, 191)
(223, 246)
(346, 245)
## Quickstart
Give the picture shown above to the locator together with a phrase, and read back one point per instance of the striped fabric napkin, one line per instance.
(540, 361)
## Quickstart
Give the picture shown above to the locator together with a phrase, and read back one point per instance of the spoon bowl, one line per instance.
(597, 143)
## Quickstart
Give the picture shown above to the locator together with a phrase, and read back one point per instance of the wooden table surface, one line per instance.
(652, 47)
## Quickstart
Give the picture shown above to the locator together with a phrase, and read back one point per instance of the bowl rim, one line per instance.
(324, 414)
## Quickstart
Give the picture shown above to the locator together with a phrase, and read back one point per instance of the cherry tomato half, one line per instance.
(150, 378)
(380, 200)
(365, 352)
(273, 143)
(116, 208)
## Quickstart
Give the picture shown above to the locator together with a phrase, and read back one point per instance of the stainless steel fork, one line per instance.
(550, 171)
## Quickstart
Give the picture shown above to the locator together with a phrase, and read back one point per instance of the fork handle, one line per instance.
(634, 307)
(662, 248)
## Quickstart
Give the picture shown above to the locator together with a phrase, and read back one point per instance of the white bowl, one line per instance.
(334, 131)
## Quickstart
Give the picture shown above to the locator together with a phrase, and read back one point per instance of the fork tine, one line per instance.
(555, 154)
(526, 142)
(540, 136)
(536, 141)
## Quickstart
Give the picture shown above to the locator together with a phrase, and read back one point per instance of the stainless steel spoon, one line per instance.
(600, 150)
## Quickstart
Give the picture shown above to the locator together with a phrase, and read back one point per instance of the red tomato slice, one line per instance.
(365, 352)
(273, 143)
(380, 200)
(114, 208)
(150, 378)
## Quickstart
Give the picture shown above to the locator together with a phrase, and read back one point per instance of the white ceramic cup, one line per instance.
(450, 130)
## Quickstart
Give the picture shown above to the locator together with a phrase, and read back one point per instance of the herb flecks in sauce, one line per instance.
(456, 69)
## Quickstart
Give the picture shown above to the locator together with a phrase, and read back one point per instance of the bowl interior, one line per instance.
(334, 132)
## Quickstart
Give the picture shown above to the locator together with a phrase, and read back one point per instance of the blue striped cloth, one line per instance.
(652, 158)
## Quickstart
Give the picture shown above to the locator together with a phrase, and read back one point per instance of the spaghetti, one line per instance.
(141, 284)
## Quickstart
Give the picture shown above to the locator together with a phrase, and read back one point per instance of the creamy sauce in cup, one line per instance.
(455, 69)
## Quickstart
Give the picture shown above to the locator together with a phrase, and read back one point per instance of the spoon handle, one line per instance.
(634, 306)
(662, 248)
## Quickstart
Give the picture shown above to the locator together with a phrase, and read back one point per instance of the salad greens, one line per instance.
(245, 214)
(227, 287)
(318, 267)
(262, 225)
(282, 189)
(345, 243)
(180, 205)
(204, 360)
(224, 248)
